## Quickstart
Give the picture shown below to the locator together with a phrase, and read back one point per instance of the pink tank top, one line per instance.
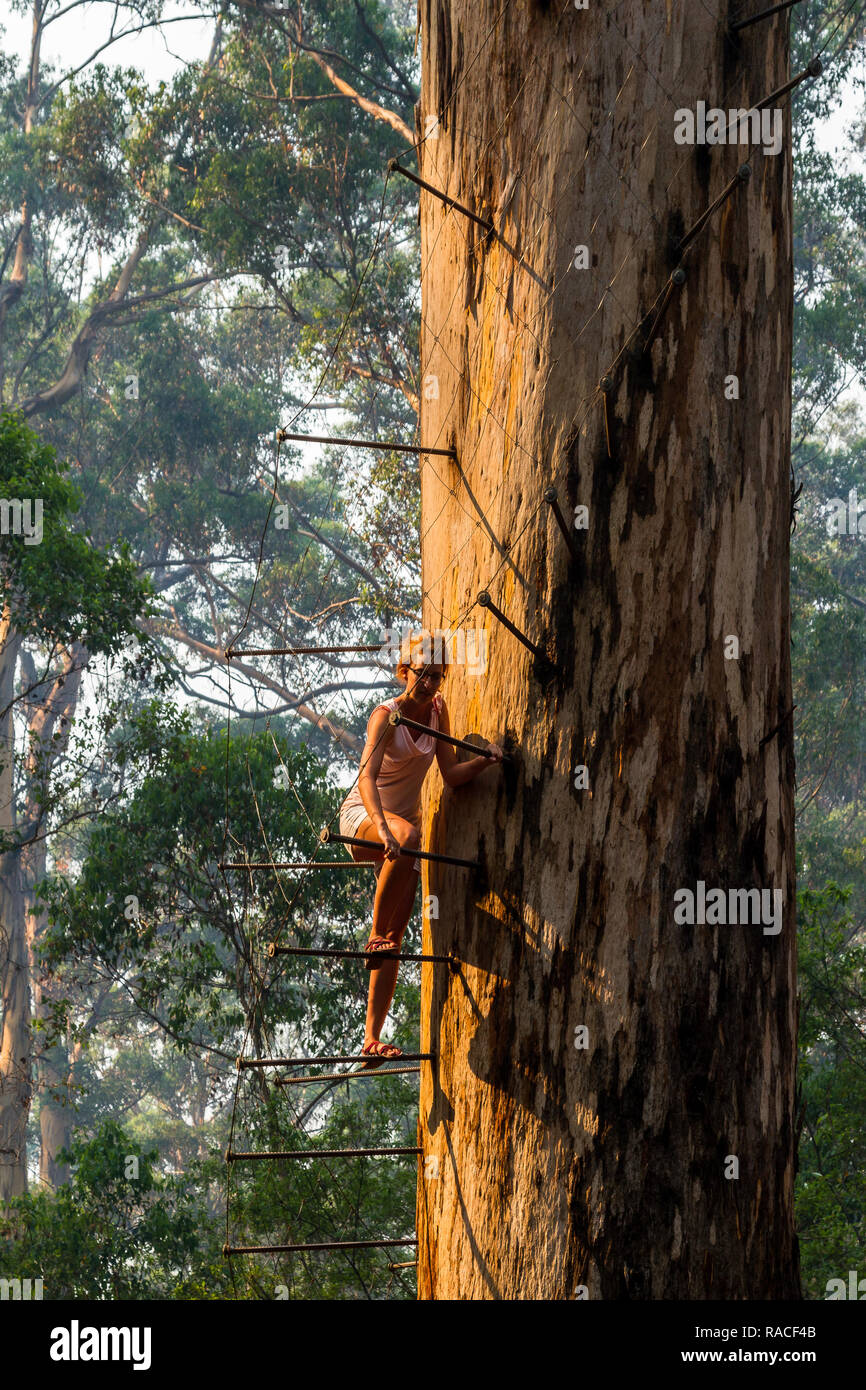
(403, 769)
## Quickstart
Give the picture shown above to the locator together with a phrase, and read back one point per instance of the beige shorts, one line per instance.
(351, 820)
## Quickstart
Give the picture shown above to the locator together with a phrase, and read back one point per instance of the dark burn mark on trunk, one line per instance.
(442, 57)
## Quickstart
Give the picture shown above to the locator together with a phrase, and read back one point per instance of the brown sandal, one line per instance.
(378, 946)
(374, 1049)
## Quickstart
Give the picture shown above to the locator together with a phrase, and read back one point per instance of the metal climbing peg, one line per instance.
(403, 1151)
(551, 497)
(258, 1063)
(677, 280)
(394, 167)
(486, 601)
(326, 836)
(289, 864)
(743, 174)
(331, 951)
(322, 1245)
(606, 386)
(396, 718)
(737, 24)
(391, 445)
(397, 168)
(360, 1074)
(231, 652)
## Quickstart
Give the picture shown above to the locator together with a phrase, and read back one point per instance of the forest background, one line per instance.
(186, 263)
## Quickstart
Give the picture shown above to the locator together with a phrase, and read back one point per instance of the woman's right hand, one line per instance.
(390, 845)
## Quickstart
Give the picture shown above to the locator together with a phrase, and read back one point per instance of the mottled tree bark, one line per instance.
(15, 1077)
(55, 1115)
(48, 728)
(607, 1168)
(24, 991)
(54, 1071)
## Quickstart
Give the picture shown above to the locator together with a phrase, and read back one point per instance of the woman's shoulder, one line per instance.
(385, 708)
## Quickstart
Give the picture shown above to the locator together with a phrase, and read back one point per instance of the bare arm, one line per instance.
(379, 735)
(454, 773)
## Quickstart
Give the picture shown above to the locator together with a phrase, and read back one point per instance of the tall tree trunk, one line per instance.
(55, 1114)
(15, 1084)
(48, 729)
(21, 868)
(54, 1071)
(606, 1170)
(13, 289)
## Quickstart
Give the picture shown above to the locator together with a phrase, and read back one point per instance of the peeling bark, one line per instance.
(562, 1168)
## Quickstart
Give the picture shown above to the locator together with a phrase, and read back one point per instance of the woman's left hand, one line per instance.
(496, 752)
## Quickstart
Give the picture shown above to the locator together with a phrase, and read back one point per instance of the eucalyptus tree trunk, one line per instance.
(48, 728)
(54, 1072)
(612, 1112)
(15, 1077)
(25, 989)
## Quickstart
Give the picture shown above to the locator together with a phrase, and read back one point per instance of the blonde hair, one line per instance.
(424, 647)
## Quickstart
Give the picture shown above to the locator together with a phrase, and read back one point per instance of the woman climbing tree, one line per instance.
(385, 807)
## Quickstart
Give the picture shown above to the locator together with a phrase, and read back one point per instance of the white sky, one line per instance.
(72, 38)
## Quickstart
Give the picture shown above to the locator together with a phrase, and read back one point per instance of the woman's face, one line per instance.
(423, 681)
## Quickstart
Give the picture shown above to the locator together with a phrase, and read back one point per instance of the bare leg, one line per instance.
(395, 894)
(383, 979)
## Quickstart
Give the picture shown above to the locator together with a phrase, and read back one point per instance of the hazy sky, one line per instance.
(72, 38)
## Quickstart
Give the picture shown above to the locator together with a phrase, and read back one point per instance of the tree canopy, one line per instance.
(187, 265)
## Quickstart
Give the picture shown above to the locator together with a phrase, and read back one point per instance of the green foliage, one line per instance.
(190, 986)
(828, 610)
(63, 586)
(248, 172)
(331, 1199)
(831, 1187)
(149, 898)
(255, 172)
(118, 1231)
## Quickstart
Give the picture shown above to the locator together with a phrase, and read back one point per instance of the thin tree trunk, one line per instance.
(55, 1115)
(606, 1170)
(53, 1067)
(15, 1083)
(22, 868)
(13, 289)
(53, 715)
